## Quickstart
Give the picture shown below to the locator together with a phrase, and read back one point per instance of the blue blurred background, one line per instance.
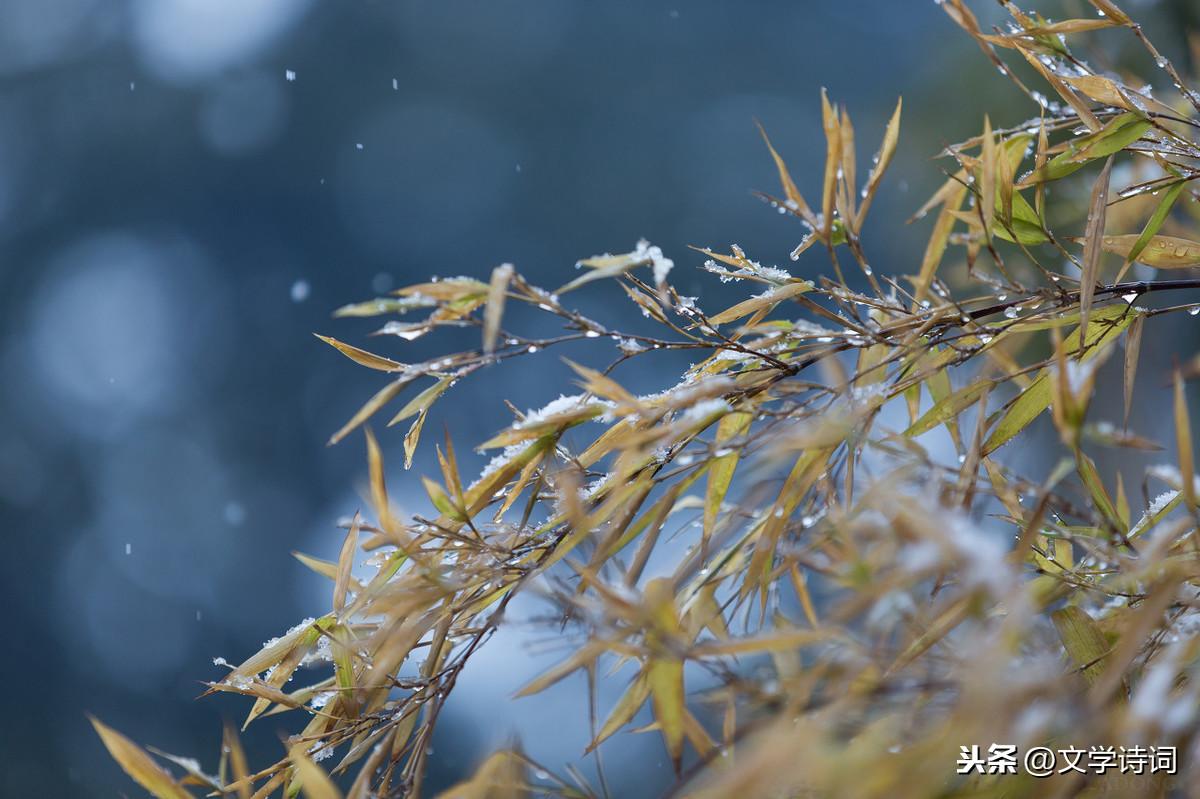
(189, 187)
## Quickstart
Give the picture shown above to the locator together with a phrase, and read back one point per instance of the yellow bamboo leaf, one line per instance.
(833, 157)
(789, 186)
(623, 711)
(138, 764)
(1160, 252)
(1183, 443)
(314, 782)
(422, 401)
(720, 473)
(766, 300)
(494, 310)
(665, 677)
(890, 138)
(1083, 640)
(362, 357)
(502, 776)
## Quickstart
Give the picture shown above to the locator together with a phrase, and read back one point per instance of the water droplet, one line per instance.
(128, 548)
(1011, 312)
(289, 75)
(1194, 311)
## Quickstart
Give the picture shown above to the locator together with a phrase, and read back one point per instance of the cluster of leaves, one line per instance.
(810, 557)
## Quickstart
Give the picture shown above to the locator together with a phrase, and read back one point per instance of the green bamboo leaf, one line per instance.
(948, 408)
(1105, 325)
(1155, 222)
(1095, 486)
(1116, 135)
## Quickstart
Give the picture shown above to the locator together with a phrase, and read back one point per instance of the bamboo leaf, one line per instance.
(720, 473)
(1095, 486)
(345, 565)
(582, 658)
(1104, 326)
(935, 248)
(1083, 640)
(372, 406)
(948, 408)
(779, 642)
(1160, 252)
(362, 357)
(502, 776)
(422, 401)
(789, 186)
(1153, 225)
(623, 711)
(138, 764)
(1115, 136)
(988, 187)
(1092, 248)
(1183, 443)
(665, 679)
(413, 436)
(765, 301)
(833, 157)
(1133, 348)
(494, 310)
(891, 136)
(314, 782)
